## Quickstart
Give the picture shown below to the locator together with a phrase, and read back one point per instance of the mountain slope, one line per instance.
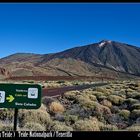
(107, 58)
(107, 54)
(4, 73)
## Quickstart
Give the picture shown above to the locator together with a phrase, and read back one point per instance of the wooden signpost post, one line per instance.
(20, 96)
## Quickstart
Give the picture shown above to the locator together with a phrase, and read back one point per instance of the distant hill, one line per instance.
(107, 57)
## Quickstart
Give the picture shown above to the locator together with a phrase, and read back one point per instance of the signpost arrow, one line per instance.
(10, 98)
(20, 96)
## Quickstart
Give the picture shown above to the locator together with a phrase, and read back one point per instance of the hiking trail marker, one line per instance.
(20, 96)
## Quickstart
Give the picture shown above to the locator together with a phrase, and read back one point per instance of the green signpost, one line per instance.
(20, 96)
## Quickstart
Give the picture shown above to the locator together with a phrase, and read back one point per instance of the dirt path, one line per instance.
(62, 90)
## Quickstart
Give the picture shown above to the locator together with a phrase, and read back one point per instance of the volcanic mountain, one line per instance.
(103, 58)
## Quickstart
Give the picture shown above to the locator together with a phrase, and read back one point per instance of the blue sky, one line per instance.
(48, 28)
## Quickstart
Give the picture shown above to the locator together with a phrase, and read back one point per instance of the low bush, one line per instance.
(133, 94)
(135, 106)
(92, 97)
(101, 89)
(33, 126)
(59, 117)
(115, 119)
(108, 127)
(71, 95)
(117, 100)
(6, 127)
(98, 94)
(87, 125)
(30, 82)
(133, 128)
(6, 114)
(47, 100)
(60, 82)
(124, 113)
(56, 107)
(39, 116)
(131, 101)
(85, 102)
(128, 90)
(60, 126)
(106, 103)
(104, 110)
(80, 111)
(70, 119)
(135, 114)
(101, 98)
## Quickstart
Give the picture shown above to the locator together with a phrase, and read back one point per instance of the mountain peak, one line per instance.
(103, 42)
(102, 57)
(106, 41)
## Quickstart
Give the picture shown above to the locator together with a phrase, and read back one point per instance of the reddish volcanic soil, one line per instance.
(56, 78)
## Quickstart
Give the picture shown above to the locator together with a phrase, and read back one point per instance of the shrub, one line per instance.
(85, 102)
(124, 113)
(39, 116)
(92, 97)
(133, 86)
(134, 94)
(104, 110)
(88, 91)
(129, 90)
(59, 126)
(71, 119)
(56, 107)
(87, 125)
(47, 100)
(60, 82)
(115, 119)
(115, 109)
(117, 100)
(102, 97)
(101, 89)
(135, 113)
(30, 82)
(130, 101)
(135, 106)
(80, 111)
(6, 127)
(108, 127)
(32, 126)
(59, 117)
(106, 103)
(98, 94)
(133, 128)
(75, 83)
(120, 93)
(71, 95)
(6, 114)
